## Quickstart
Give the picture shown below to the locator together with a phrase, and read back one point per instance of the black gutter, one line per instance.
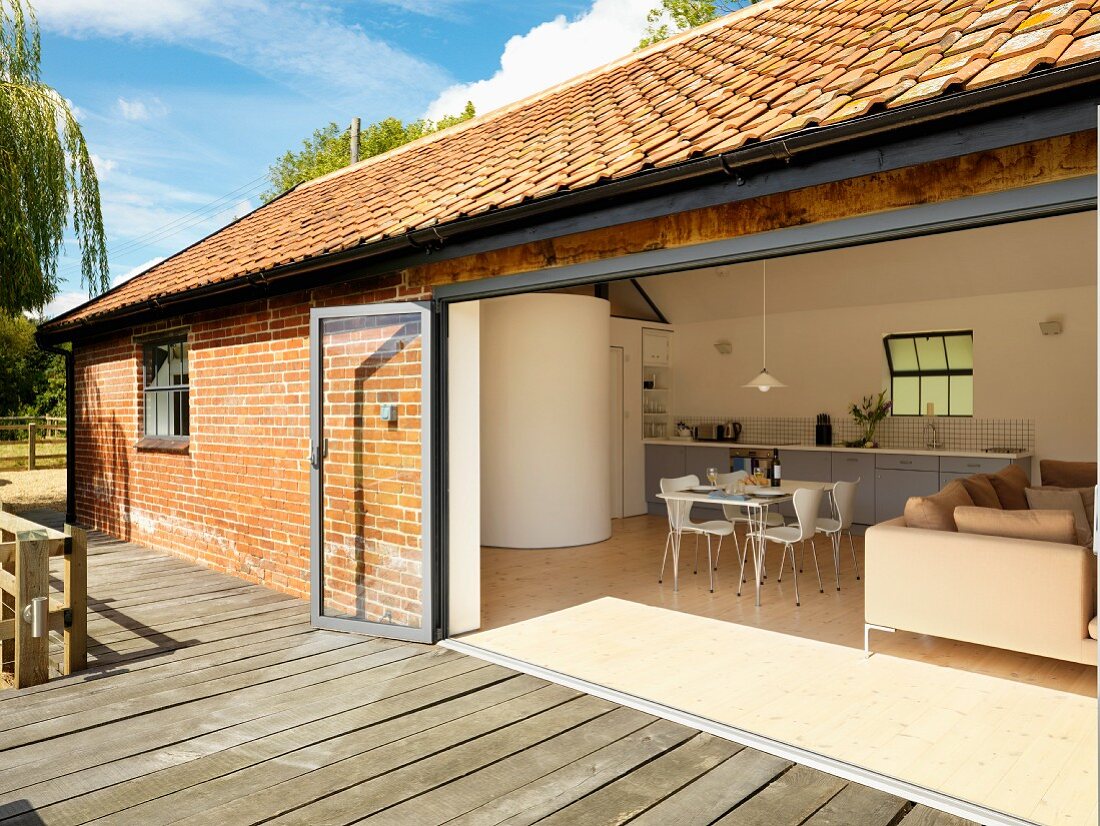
(70, 426)
(779, 151)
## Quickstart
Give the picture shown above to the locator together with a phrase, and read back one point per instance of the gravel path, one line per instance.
(22, 490)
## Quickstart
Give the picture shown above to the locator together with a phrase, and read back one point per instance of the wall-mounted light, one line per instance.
(1050, 328)
(723, 346)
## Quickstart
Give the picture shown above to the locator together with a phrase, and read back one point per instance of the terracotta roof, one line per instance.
(769, 70)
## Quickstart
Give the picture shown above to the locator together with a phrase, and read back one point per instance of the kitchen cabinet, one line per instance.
(805, 466)
(893, 487)
(857, 467)
(662, 462)
(656, 348)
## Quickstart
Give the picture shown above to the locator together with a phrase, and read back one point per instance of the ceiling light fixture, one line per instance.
(765, 381)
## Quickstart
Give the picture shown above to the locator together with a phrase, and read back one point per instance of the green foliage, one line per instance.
(32, 382)
(46, 175)
(674, 16)
(329, 148)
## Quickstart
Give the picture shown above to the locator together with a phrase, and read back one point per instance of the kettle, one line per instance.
(731, 431)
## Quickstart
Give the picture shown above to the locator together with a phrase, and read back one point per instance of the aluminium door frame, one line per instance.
(429, 603)
(1020, 204)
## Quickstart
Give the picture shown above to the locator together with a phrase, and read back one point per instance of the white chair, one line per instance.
(844, 507)
(806, 503)
(738, 515)
(679, 523)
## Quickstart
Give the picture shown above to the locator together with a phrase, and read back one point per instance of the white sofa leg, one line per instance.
(867, 628)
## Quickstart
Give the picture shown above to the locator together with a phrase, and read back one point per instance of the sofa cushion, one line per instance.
(1046, 499)
(1010, 483)
(1060, 474)
(981, 491)
(1092, 627)
(937, 512)
(1042, 525)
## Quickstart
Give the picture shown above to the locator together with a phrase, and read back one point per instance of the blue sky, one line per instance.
(185, 103)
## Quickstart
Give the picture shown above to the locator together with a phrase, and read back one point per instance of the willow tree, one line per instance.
(46, 175)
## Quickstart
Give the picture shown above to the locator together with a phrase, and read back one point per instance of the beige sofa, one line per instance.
(1024, 595)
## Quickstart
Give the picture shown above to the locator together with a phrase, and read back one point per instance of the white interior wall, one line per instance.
(464, 409)
(831, 357)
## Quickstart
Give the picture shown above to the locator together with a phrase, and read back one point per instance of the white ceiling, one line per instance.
(1031, 255)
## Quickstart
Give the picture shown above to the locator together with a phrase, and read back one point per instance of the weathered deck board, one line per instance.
(211, 701)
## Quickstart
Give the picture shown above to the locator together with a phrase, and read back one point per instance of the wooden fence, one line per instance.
(43, 430)
(29, 616)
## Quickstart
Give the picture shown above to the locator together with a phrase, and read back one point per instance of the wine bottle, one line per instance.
(777, 473)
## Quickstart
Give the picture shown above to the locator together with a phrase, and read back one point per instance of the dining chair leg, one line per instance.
(783, 561)
(802, 556)
(834, 541)
(697, 553)
(742, 554)
(710, 564)
(852, 545)
(664, 558)
(797, 601)
(813, 549)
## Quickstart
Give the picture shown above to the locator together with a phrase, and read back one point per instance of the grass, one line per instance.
(13, 455)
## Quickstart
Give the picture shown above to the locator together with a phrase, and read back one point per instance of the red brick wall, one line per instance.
(238, 500)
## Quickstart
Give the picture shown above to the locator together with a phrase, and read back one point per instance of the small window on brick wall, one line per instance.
(931, 372)
(167, 391)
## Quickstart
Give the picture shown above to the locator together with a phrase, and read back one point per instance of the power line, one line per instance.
(186, 221)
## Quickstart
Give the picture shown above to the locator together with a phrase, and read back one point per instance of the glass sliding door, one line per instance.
(369, 451)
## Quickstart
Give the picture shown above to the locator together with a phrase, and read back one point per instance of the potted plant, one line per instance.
(867, 415)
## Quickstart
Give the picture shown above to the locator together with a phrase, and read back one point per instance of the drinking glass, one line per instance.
(712, 476)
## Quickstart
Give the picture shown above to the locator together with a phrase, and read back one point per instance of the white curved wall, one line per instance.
(545, 429)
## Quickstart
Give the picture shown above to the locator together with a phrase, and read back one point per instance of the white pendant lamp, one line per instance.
(765, 381)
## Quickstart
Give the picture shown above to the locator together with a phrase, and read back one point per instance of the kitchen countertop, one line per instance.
(907, 451)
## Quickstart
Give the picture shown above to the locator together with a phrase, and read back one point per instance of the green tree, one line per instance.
(32, 382)
(46, 175)
(674, 16)
(329, 148)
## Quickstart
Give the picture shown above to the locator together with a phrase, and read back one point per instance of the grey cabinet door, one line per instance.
(947, 477)
(806, 466)
(894, 487)
(661, 462)
(850, 467)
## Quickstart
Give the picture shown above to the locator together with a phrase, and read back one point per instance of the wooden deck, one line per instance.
(209, 700)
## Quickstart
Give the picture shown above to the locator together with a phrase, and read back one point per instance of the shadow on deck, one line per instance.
(210, 700)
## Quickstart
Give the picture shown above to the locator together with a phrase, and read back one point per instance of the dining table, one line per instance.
(757, 500)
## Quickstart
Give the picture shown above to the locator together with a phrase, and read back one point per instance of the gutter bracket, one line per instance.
(784, 154)
(731, 170)
(431, 245)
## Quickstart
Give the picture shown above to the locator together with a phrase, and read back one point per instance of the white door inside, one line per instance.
(616, 481)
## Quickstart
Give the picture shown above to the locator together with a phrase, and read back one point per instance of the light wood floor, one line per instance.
(1015, 748)
(521, 584)
(212, 701)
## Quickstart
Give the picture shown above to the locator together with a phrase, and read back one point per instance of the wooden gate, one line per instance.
(29, 616)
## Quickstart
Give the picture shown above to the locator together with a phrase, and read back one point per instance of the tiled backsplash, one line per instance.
(961, 433)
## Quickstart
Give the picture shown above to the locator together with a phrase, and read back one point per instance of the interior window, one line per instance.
(934, 369)
(167, 391)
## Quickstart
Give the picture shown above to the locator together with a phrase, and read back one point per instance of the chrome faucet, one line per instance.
(935, 442)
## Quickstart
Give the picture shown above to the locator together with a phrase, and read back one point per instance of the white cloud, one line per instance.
(103, 166)
(551, 53)
(140, 109)
(64, 302)
(138, 270)
(303, 45)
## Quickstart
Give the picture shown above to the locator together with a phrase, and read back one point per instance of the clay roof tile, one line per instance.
(767, 70)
